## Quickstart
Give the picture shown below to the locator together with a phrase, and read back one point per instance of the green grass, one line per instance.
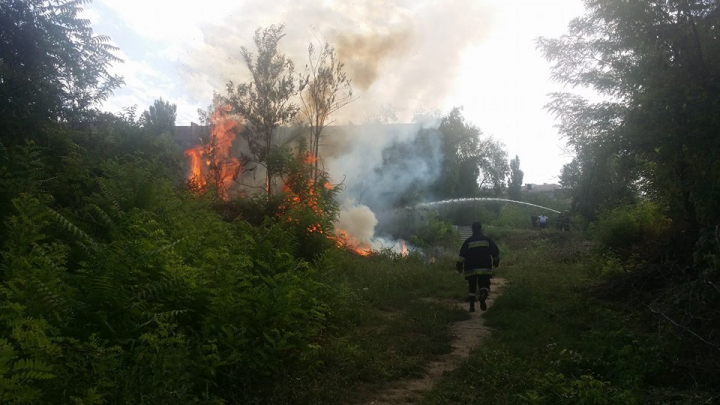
(383, 326)
(555, 344)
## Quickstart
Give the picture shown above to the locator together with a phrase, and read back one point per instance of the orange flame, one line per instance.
(310, 159)
(220, 168)
(344, 240)
(196, 177)
(404, 250)
(300, 191)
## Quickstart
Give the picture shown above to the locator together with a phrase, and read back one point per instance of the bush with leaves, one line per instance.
(168, 300)
(638, 228)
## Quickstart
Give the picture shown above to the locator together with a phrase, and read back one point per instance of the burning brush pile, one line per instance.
(304, 195)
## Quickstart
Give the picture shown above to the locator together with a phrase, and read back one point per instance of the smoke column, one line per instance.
(399, 53)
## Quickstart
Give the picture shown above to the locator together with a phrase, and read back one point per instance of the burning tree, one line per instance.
(308, 202)
(324, 89)
(212, 162)
(264, 101)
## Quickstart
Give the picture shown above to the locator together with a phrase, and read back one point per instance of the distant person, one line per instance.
(478, 255)
(563, 221)
(534, 220)
(542, 219)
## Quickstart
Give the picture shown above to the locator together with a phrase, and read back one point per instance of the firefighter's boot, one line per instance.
(472, 304)
(483, 296)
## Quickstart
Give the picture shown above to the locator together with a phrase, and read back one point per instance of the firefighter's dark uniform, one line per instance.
(478, 255)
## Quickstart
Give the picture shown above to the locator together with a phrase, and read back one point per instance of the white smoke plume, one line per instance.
(398, 53)
(377, 164)
(405, 54)
(359, 222)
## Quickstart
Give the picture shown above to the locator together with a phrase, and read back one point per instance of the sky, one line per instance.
(411, 55)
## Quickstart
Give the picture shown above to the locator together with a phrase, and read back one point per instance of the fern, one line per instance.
(154, 290)
(171, 315)
(29, 209)
(102, 289)
(89, 253)
(40, 184)
(110, 196)
(104, 217)
(164, 317)
(33, 369)
(52, 301)
(69, 226)
(163, 248)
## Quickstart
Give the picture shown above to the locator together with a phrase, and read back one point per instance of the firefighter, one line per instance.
(478, 255)
(563, 221)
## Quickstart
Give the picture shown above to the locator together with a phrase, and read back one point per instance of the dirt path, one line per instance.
(468, 334)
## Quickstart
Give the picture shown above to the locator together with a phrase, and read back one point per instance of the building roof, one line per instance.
(541, 188)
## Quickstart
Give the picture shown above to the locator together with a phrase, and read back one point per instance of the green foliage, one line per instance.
(159, 118)
(630, 228)
(433, 232)
(554, 343)
(516, 180)
(656, 132)
(324, 89)
(306, 209)
(470, 164)
(124, 289)
(597, 179)
(265, 100)
(118, 287)
(153, 281)
(514, 216)
(657, 64)
(52, 66)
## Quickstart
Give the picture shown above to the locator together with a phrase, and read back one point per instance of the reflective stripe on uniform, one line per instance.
(480, 243)
(475, 272)
(460, 259)
(471, 294)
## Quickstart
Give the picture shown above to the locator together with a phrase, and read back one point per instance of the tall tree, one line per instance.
(492, 161)
(160, 117)
(471, 165)
(516, 179)
(52, 67)
(658, 64)
(324, 89)
(264, 101)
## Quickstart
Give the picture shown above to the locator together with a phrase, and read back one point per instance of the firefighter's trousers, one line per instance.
(478, 280)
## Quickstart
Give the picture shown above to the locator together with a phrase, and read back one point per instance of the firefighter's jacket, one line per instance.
(478, 254)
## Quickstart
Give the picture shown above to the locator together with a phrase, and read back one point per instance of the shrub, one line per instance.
(513, 216)
(433, 232)
(629, 227)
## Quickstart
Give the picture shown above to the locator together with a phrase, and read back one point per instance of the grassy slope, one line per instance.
(555, 344)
